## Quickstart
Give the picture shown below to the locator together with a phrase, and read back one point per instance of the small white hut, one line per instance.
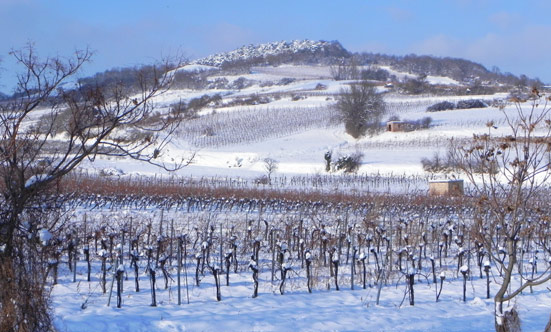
(446, 187)
(396, 126)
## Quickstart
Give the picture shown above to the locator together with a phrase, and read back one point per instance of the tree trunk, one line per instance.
(216, 274)
(119, 274)
(308, 275)
(501, 321)
(411, 282)
(23, 299)
(152, 281)
(548, 326)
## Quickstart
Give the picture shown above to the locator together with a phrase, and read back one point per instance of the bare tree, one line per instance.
(270, 166)
(509, 176)
(345, 69)
(361, 109)
(45, 133)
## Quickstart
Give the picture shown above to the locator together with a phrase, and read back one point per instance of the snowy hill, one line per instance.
(272, 50)
(287, 113)
(278, 102)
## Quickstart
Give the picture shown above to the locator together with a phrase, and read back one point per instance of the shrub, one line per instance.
(286, 80)
(425, 122)
(263, 179)
(190, 80)
(255, 100)
(219, 83)
(442, 106)
(203, 101)
(377, 74)
(241, 83)
(349, 164)
(416, 86)
(190, 109)
(472, 103)
(462, 104)
(436, 164)
(447, 165)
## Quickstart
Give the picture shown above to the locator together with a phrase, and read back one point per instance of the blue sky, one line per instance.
(510, 34)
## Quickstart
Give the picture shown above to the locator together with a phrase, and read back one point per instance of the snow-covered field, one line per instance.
(299, 151)
(298, 132)
(296, 310)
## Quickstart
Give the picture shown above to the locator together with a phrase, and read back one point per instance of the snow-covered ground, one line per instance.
(296, 310)
(299, 152)
(430, 79)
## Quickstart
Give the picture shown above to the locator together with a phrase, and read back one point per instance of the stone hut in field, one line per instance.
(446, 187)
(396, 126)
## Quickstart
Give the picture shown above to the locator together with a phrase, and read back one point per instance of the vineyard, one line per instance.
(130, 251)
(253, 125)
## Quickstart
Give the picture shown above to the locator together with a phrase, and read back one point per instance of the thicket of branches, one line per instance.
(510, 178)
(33, 160)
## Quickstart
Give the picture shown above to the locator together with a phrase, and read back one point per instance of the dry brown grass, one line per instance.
(181, 189)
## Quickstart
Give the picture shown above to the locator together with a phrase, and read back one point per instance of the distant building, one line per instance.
(446, 187)
(395, 126)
